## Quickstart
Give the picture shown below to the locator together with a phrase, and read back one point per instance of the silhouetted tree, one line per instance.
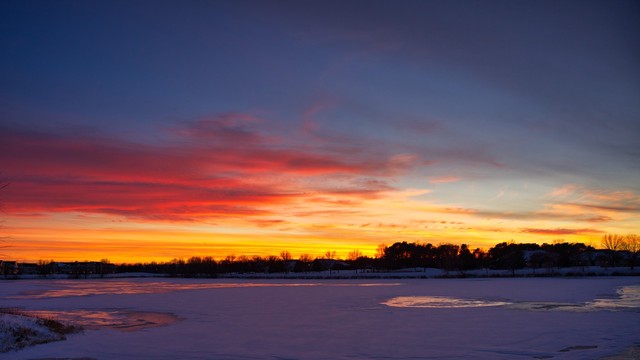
(509, 255)
(210, 267)
(177, 267)
(612, 243)
(399, 255)
(447, 256)
(286, 260)
(317, 265)
(426, 255)
(104, 267)
(362, 263)
(466, 260)
(303, 264)
(196, 266)
(330, 255)
(354, 255)
(305, 258)
(45, 267)
(566, 254)
(632, 248)
(480, 258)
(540, 258)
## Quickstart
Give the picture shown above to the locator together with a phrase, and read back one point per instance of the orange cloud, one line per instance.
(582, 194)
(561, 231)
(443, 179)
(565, 190)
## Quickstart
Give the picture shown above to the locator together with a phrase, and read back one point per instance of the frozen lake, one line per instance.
(521, 318)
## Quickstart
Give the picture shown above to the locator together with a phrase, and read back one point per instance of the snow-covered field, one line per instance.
(519, 318)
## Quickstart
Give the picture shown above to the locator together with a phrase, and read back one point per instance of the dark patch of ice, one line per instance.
(578, 347)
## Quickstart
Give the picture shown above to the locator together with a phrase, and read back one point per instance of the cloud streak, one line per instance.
(222, 166)
(561, 231)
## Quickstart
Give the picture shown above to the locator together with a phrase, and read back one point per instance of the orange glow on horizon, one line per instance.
(130, 242)
(227, 186)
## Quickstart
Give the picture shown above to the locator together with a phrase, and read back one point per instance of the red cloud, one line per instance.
(215, 167)
(142, 200)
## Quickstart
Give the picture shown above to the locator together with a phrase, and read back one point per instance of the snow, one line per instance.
(17, 331)
(335, 319)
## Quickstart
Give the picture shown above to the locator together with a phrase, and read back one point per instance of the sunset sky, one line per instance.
(152, 130)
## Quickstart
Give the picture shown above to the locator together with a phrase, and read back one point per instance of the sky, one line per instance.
(152, 130)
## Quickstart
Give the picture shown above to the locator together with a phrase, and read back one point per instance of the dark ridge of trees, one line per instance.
(400, 255)
(616, 251)
(631, 249)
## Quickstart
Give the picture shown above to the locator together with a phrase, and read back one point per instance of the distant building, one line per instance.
(8, 268)
(28, 269)
(59, 268)
(86, 268)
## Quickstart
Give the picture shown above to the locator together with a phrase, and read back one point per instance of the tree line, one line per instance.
(616, 250)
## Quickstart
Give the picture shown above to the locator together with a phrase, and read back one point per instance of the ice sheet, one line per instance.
(627, 299)
(280, 319)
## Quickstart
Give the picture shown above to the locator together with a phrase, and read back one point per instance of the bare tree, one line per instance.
(305, 258)
(303, 263)
(354, 255)
(330, 255)
(285, 255)
(612, 242)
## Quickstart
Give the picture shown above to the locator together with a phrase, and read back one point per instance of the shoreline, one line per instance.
(410, 273)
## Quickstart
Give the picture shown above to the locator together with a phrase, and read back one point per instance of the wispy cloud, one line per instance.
(564, 190)
(593, 204)
(561, 231)
(443, 179)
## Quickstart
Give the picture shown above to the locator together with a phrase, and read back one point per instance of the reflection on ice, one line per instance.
(122, 320)
(628, 299)
(439, 302)
(101, 287)
(84, 288)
